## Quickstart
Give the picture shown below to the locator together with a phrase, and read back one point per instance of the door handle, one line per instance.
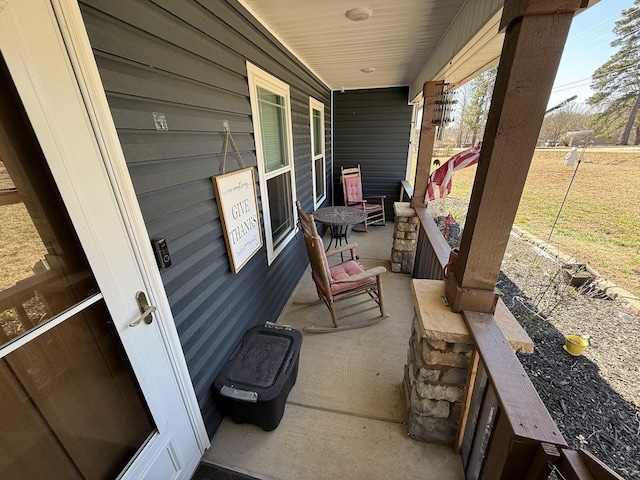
(146, 311)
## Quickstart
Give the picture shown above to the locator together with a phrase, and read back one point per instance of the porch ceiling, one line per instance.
(396, 40)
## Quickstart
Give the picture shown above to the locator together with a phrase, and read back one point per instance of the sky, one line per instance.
(587, 48)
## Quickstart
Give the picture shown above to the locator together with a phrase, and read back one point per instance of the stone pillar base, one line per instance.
(438, 361)
(405, 235)
(434, 385)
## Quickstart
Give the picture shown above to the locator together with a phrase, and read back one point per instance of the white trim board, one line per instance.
(86, 71)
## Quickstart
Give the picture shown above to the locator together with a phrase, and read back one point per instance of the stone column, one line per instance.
(440, 354)
(405, 236)
(434, 384)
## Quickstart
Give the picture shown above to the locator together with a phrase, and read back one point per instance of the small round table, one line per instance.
(339, 219)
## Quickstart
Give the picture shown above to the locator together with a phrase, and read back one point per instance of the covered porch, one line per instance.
(346, 416)
(349, 412)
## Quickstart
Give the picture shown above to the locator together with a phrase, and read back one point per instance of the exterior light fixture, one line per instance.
(358, 14)
(368, 70)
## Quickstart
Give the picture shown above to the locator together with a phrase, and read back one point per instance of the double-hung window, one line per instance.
(318, 163)
(271, 112)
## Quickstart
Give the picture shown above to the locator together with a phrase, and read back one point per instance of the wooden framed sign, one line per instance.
(238, 205)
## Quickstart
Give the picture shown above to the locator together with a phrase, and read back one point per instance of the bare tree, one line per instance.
(463, 96)
(571, 117)
(475, 115)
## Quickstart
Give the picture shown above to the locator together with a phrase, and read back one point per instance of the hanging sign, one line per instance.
(238, 205)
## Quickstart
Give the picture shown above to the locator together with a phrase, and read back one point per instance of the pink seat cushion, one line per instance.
(345, 270)
(367, 206)
(353, 189)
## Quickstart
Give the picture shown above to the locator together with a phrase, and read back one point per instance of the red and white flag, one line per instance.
(440, 181)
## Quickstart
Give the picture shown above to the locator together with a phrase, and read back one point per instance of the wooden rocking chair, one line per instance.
(345, 280)
(373, 205)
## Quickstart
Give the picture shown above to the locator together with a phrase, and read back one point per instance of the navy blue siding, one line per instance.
(372, 128)
(186, 59)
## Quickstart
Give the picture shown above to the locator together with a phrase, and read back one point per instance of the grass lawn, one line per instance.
(600, 221)
(20, 247)
(599, 224)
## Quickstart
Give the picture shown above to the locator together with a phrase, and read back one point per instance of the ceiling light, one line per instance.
(358, 14)
(368, 70)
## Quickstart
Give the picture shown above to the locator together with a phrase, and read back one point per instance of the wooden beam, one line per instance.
(519, 401)
(499, 451)
(437, 241)
(540, 468)
(425, 145)
(582, 465)
(473, 299)
(474, 419)
(597, 468)
(10, 196)
(483, 433)
(572, 467)
(466, 401)
(532, 49)
(516, 9)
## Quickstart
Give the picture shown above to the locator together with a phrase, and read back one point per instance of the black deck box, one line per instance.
(254, 383)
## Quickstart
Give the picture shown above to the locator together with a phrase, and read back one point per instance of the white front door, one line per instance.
(78, 381)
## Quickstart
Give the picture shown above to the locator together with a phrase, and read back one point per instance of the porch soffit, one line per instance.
(407, 42)
(476, 54)
(396, 40)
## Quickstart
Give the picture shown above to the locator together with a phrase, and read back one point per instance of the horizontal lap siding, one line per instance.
(186, 59)
(372, 128)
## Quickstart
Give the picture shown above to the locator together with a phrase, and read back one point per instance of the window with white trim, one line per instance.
(271, 112)
(318, 163)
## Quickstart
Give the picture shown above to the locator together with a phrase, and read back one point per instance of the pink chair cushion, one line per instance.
(353, 189)
(345, 270)
(367, 206)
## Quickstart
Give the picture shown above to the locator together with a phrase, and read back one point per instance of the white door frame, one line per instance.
(81, 64)
(86, 71)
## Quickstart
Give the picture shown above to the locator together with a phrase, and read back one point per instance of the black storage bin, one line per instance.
(254, 384)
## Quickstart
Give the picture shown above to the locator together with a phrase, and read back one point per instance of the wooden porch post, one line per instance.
(425, 145)
(536, 31)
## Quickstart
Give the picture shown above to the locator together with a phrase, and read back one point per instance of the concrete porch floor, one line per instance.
(345, 417)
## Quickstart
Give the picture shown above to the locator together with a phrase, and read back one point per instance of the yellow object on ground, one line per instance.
(575, 345)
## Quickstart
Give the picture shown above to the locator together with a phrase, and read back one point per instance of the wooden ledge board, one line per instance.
(520, 403)
(437, 321)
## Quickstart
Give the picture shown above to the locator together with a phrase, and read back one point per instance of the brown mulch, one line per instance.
(594, 398)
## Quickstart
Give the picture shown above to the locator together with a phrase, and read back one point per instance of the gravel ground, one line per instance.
(594, 398)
